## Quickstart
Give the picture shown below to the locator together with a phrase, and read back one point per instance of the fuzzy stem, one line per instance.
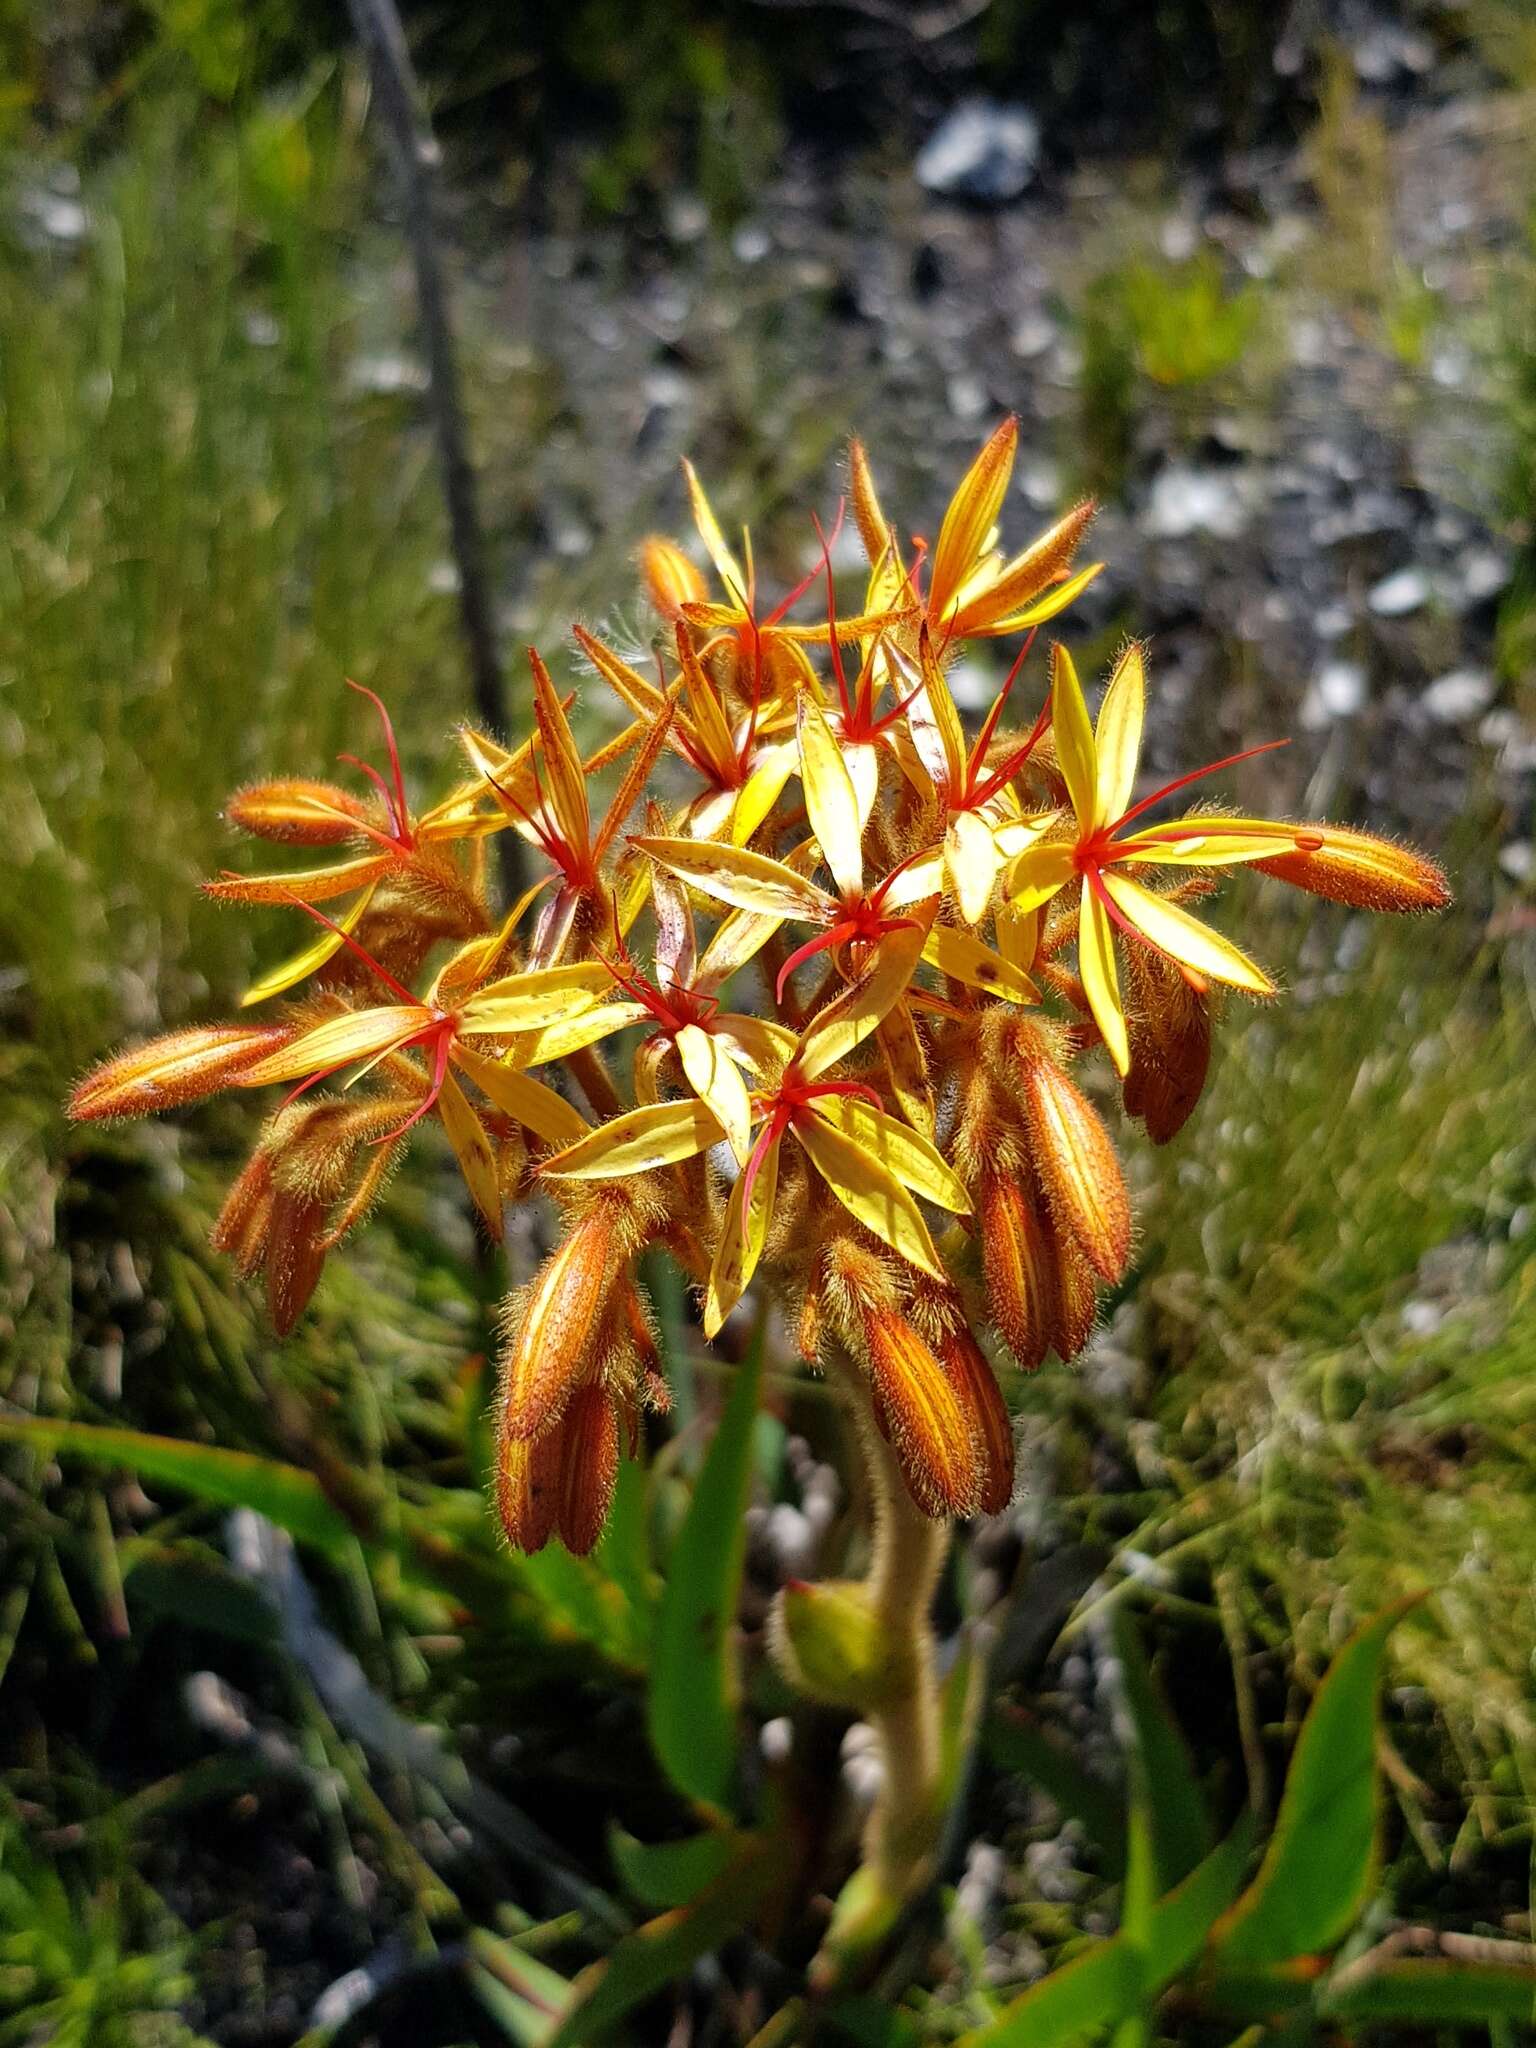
(908, 1552)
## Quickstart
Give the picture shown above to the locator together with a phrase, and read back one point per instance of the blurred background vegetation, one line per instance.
(1268, 287)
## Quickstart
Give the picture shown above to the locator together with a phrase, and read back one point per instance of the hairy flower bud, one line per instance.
(183, 1066)
(1170, 1034)
(1361, 870)
(982, 1398)
(1078, 1168)
(297, 811)
(588, 1436)
(1018, 1258)
(550, 1327)
(928, 1424)
(670, 577)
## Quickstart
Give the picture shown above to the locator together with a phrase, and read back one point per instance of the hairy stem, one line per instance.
(909, 1549)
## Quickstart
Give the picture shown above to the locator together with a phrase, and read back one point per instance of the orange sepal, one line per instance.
(921, 1411)
(1358, 869)
(297, 811)
(549, 1338)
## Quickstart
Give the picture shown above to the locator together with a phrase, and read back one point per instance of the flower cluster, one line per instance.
(876, 948)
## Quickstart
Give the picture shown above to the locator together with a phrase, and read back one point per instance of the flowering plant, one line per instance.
(858, 1086)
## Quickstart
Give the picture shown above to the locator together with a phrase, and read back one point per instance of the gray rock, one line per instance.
(1186, 501)
(984, 150)
(1458, 695)
(1396, 596)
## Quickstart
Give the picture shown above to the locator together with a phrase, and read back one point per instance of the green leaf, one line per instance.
(1424, 1989)
(1118, 1979)
(521, 1993)
(1317, 1868)
(285, 1494)
(1095, 1989)
(1016, 1742)
(196, 1588)
(1179, 1824)
(663, 1950)
(695, 1687)
(664, 1874)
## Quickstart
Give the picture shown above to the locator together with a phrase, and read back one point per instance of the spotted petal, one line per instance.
(659, 1134)
(868, 1190)
(716, 1079)
(1172, 930)
(904, 1152)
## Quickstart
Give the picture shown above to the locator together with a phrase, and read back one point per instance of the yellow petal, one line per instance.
(658, 1135)
(710, 724)
(1117, 737)
(528, 1102)
(337, 1043)
(918, 881)
(863, 764)
(1212, 842)
(830, 803)
(564, 779)
(1038, 873)
(588, 1027)
(850, 1017)
(935, 722)
(964, 958)
(1018, 936)
(741, 1242)
(1174, 931)
(763, 787)
(1073, 735)
(984, 622)
(474, 1152)
(760, 1044)
(299, 966)
(906, 1067)
(1101, 979)
(746, 880)
(1022, 580)
(869, 1191)
(302, 885)
(971, 516)
(903, 1152)
(726, 565)
(633, 689)
(716, 1079)
(971, 860)
(528, 1002)
(1016, 835)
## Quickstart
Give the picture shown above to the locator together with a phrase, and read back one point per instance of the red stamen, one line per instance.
(402, 815)
(772, 1131)
(838, 935)
(444, 1030)
(1195, 775)
(362, 952)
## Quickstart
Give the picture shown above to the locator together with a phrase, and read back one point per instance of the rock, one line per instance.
(1186, 501)
(984, 150)
(1458, 695)
(1337, 691)
(1397, 595)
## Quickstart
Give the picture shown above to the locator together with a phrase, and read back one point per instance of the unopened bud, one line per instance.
(982, 1398)
(588, 1435)
(670, 577)
(183, 1066)
(1170, 1033)
(1078, 1168)
(1019, 1260)
(297, 811)
(924, 1417)
(551, 1328)
(1358, 869)
(828, 1643)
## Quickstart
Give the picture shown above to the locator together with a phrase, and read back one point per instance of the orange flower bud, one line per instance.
(1078, 1168)
(670, 577)
(923, 1415)
(297, 811)
(183, 1066)
(1358, 869)
(1170, 1034)
(243, 1224)
(552, 1326)
(528, 1488)
(1077, 1304)
(588, 1435)
(1018, 1258)
(294, 1257)
(982, 1398)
